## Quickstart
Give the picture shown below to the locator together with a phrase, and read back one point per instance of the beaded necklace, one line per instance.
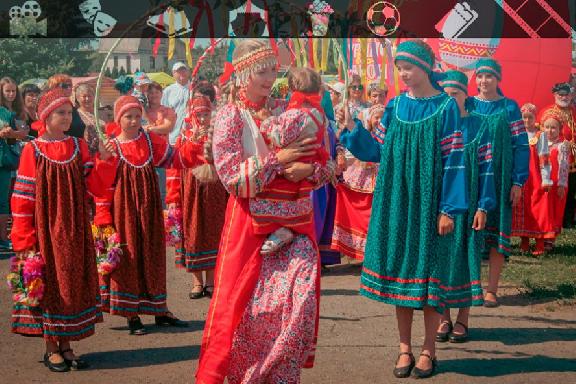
(249, 105)
(61, 162)
(121, 154)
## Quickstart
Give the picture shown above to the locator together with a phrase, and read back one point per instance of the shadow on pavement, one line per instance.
(144, 357)
(193, 326)
(544, 320)
(507, 366)
(523, 336)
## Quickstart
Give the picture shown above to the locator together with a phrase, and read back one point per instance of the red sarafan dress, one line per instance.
(353, 208)
(527, 218)
(51, 212)
(134, 207)
(560, 159)
(203, 211)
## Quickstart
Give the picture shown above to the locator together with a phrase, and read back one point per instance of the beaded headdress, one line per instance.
(553, 113)
(528, 108)
(252, 62)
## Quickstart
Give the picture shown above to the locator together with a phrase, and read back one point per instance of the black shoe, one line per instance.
(442, 337)
(75, 364)
(196, 295)
(424, 374)
(455, 338)
(402, 372)
(170, 321)
(59, 367)
(136, 327)
(208, 291)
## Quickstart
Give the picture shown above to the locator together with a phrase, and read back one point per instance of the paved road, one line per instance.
(358, 343)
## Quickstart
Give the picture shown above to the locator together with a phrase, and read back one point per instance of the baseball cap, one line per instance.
(179, 65)
(337, 86)
(140, 78)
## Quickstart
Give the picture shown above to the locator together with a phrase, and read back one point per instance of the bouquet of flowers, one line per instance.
(26, 278)
(173, 225)
(108, 249)
(320, 12)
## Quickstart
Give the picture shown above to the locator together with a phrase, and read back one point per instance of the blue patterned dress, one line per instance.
(419, 146)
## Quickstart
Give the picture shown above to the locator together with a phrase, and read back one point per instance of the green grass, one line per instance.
(550, 276)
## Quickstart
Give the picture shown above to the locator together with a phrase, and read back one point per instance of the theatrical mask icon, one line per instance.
(459, 19)
(25, 20)
(92, 12)
(172, 23)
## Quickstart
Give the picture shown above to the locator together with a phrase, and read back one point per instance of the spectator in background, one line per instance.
(377, 94)
(161, 119)
(84, 106)
(336, 90)
(12, 108)
(176, 97)
(140, 91)
(30, 93)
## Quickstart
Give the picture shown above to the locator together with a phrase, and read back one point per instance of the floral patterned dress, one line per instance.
(263, 317)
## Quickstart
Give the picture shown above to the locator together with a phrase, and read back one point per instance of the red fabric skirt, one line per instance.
(238, 271)
(203, 208)
(138, 286)
(530, 215)
(70, 307)
(351, 221)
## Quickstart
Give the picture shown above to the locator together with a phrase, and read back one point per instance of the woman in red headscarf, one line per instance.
(133, 205)
(202, 198)
(51, 217)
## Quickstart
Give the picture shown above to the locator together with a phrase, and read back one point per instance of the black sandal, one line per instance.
(196, 295)
(55, 367)
(208, 291)
(491, 303)
(136, 327)
(442, 337)
(455, 338)
(402, 372)
(426, 373)
(74, 364)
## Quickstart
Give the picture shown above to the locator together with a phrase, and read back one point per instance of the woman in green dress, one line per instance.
(421, 186)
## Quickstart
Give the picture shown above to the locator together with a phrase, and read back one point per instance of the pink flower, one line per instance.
(32, 269)
(114, 239)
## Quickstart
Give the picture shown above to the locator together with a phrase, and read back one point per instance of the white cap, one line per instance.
(179, 65)
(337, 86)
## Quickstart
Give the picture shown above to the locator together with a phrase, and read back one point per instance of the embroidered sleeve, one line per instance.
(454, 198)
(544, 160)
(520, 148)
(23, 202)
(241, 177)
(286, 128)
(361, 143)
(563, 163)
(486, 187)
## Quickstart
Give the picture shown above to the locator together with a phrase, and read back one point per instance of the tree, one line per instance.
(115, 73)
(107, 73)
(26, 58)
(122, 72)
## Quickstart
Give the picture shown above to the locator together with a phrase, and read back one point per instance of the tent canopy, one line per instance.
(161, 78)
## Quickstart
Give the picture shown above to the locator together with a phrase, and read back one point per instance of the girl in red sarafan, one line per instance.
(134, 206)
(526, 222)
(560, 159)
(202, 199)
(51, 216)
(354, 198)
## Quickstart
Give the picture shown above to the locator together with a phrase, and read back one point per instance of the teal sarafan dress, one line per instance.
(420, 147)
(511, 161)
(464, 246)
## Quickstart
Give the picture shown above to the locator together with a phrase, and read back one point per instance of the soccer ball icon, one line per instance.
(383, 18)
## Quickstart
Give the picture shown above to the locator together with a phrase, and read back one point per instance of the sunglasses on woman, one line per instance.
(357, 87)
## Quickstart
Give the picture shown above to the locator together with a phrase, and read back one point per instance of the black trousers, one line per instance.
(570, 201)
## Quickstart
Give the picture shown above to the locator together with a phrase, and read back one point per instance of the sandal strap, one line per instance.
(463, 326)
(427, 355)
(449, 322)
(406, 353)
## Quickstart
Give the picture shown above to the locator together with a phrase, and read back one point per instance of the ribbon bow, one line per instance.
(300, 98)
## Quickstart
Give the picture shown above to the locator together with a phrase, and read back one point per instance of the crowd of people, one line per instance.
(258, 195)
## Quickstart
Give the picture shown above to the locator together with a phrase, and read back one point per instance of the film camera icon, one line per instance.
(25, 20)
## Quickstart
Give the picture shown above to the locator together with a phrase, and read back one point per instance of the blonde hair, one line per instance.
(251, 55)
(304, 80)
